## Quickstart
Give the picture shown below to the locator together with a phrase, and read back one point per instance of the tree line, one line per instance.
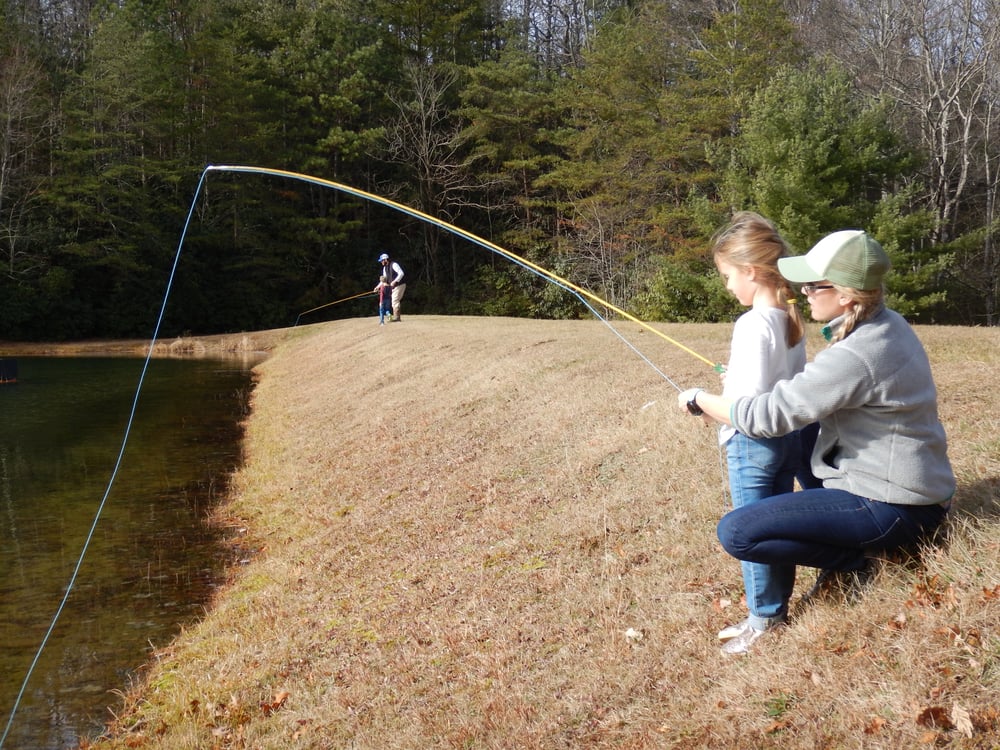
(604, 140)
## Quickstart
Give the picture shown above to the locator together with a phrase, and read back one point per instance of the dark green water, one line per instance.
(153, 562)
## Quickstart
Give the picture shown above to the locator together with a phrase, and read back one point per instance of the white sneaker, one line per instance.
(731, 631)
(741, 644)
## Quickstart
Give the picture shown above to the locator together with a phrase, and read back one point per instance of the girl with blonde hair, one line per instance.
(767, 346)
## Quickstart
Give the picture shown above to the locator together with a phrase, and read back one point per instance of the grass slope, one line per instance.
(496, 533)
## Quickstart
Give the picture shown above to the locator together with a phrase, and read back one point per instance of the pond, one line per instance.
(153, 560)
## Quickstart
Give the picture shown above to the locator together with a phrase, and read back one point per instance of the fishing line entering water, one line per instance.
(111, 481)
(583, 295)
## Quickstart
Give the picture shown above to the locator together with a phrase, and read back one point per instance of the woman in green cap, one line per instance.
(881, 452)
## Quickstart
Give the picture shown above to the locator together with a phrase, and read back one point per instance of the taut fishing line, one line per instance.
(582, 294)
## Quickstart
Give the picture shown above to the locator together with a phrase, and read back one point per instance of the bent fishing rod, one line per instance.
(582, 294)
(523, 262)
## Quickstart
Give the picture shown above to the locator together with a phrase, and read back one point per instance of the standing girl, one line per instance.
(767, 346)
(384, 299)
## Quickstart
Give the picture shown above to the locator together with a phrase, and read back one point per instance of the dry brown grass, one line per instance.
(457, 521)
(230, 344)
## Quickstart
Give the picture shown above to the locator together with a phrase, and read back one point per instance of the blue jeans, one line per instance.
(807, 480)
(758, 469)
(824, 528)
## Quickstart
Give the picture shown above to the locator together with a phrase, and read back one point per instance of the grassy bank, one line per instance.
(493, 533)
(226, 345)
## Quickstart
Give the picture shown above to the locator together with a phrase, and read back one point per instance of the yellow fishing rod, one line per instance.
(335, 302)
(559, 281)
(467, 235)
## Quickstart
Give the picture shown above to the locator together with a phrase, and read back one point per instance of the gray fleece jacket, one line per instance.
(874, 397)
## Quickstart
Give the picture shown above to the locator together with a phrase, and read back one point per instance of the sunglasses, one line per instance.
(813, 288)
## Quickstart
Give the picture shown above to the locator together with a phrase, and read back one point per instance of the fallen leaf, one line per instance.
(935, 717)
(778, 726)
(875, 725)
(276, 702)
(987, 718)
(973, 638)
(931, 593)
(633, 636)
(962, 720)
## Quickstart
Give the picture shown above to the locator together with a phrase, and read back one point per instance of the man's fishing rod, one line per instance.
(467, 235)
(335, 302)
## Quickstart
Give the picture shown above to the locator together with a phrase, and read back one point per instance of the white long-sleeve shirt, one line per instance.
(759, 356)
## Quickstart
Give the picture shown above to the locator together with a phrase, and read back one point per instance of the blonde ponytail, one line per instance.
(751, 240)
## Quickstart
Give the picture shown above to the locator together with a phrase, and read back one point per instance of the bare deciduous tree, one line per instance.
(425, 138)
(990, 289)
(24, 124)
(933, 58)
(559, 30)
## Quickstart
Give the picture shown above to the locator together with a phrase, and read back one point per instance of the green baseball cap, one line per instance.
(851, 258)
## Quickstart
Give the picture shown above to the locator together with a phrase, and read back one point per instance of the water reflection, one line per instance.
(153, 561)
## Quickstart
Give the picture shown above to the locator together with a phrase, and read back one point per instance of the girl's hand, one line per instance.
(687, 401)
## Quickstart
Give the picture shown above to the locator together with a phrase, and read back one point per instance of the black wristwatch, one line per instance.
(692, 405)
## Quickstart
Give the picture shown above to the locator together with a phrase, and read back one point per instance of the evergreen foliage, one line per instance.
(605, 143)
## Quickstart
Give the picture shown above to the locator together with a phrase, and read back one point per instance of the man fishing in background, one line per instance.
(394, 273)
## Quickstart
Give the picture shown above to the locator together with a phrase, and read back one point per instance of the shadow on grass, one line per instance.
(980, 500)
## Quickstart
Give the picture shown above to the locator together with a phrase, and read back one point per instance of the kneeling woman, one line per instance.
(881, 452)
